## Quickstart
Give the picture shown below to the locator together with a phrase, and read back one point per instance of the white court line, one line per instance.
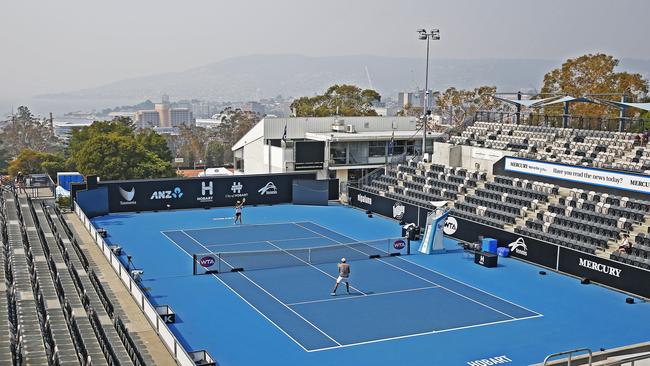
(258, 241)
(242, 225)
(316, 268)
(422, 333)
(442, 274)
(243, 299)
(422, 278)
(275, 298)
(361, 297)
(375, 340)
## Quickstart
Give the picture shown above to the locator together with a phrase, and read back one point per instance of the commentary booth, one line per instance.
(604, 271)
(97, 198)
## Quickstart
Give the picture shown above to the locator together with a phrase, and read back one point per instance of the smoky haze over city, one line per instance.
(67, 56)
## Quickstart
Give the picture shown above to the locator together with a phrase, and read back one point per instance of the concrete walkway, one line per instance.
(125, 306)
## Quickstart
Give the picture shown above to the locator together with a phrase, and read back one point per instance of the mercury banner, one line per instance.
(598, 177)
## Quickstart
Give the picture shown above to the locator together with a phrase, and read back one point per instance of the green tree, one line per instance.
(215, 153)
(31, 161)
(592, 74)
(120, 127)
(155, 143)
(234, 125)
(350, 100)
(119, 157)
(460, 105)
(410, 110)
(113, 150)
(27, 132)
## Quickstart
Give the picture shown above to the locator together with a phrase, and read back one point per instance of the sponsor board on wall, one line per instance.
(124, 196)
(601, 270)
(598, 177)
(608, 272)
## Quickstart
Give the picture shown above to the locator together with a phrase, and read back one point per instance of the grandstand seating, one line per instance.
(605, 149)
(583, 220)
(54, 308)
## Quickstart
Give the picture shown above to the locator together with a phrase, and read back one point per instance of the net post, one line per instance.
(309, 255)
(194, 264)
(219, 263)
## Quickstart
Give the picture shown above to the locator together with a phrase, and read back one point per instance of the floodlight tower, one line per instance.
(428, 36)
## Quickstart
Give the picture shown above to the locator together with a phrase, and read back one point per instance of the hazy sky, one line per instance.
(53, 46)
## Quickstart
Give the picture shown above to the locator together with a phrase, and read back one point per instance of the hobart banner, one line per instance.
(162, 194)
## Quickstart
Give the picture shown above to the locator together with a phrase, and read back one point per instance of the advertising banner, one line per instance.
(523, 247)
(384, 206)
(584, 175)
(611, 273)
(601, 270)
(145, 195)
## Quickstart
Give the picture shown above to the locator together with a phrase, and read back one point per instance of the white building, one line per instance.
(208, 122)
(334, 147)
(63, 126)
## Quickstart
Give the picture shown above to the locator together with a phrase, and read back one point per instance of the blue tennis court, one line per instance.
(297, 300)
(409, 309)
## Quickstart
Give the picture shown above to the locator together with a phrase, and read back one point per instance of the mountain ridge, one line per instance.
(253, 77)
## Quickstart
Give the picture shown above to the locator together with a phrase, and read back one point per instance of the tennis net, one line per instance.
(207, 263)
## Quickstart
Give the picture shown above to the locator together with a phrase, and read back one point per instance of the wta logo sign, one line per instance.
(399, 244)
(451, 225)
(207, 261)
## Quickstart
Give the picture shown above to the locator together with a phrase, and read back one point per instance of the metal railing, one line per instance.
(600, 358)
(602, 123)
(570, 353)
(176, 349)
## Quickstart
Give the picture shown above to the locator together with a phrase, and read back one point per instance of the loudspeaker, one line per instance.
(629, 300)
(543, 273)
(585, 281)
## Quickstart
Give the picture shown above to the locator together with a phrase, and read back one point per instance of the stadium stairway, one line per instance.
(29, 338)
(125, 307)
(64, 350)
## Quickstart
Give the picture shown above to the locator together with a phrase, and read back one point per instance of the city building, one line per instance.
(147, 119)
(208, 122)
(163, 111)
(181, 116)
(333, 147)
(163, 116)
(122, 114)
(254, 107)
(416, 98)
(63, 126)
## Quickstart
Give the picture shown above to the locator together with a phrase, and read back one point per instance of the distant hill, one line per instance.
(260, 76)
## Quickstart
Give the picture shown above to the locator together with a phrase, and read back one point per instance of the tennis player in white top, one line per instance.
(344, 276)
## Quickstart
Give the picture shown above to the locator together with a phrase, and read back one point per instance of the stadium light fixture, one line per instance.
(423, 35)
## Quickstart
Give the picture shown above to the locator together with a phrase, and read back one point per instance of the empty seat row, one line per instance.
(497, 205)
(568, 234)
(584, 225)
(556, 239)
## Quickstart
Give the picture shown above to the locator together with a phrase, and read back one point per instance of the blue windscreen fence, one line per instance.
(94, 202)
(310, 192)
